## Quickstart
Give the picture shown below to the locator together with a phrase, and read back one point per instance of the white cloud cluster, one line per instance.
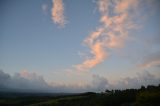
(23, 81)
(31, 82)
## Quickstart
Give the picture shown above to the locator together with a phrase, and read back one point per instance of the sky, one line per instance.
(79, 45)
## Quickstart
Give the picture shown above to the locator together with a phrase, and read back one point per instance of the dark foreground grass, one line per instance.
(149, 96)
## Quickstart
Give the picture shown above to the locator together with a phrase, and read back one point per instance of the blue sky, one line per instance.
(30, 40)
(30, 36)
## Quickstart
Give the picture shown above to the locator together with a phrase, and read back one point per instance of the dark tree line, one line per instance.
(145, 96)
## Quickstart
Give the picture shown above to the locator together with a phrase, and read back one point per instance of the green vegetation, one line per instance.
(149, 96)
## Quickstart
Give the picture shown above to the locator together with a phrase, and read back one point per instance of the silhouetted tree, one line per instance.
(142, 88)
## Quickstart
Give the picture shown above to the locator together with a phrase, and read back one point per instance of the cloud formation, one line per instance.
(23, 81)
(58, 13)
(45, 8)
(32, 82)
(99, 83)
(144, 78)
(151, 60)
(115, 23)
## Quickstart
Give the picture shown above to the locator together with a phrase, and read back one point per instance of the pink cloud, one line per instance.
(58, 13)
(112, 32)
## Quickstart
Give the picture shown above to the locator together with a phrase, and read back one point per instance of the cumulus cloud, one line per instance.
(144, 78)
(31, 82)
(58, 13)
(99, 83)
(116, 21)
(23, 81)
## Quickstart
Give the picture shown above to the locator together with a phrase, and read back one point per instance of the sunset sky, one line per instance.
(79, 45)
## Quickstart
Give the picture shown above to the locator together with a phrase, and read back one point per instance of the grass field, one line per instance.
(149, 96)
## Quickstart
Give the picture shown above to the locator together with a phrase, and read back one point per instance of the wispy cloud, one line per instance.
(115, 23)
(124, 5)
(45, 8)
(151, 60)
(58, 13)
(97, 50)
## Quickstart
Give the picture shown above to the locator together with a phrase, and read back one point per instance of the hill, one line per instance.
(148, 96)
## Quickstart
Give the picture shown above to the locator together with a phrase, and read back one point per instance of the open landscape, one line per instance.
(79, 52)
(148, 96)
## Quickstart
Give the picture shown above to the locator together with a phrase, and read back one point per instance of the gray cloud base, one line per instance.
(37, 83)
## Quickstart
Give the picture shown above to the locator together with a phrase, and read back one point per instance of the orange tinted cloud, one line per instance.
(58, 13)
(103, 6)
(112, 33)
(99, 55)
(124, 5)
(27, 74)
(151, 64)
(151, 60)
